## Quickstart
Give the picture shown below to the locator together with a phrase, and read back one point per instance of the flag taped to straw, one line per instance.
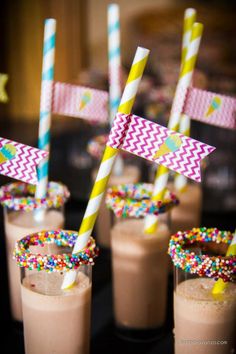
(81, 102)
(158, 144)
(19, 161)
(207, 107)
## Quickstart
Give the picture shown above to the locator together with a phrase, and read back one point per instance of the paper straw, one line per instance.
(105, 168)
(114, 68)
(184, 127)
(46, 107)
(189, 19)
(114, 59)
(185, 79)
(220, 285)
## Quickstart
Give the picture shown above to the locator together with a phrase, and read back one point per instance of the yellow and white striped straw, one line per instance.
(185, 79)
(220, 285)
(184, 126)
(126, 104)
(189, 19)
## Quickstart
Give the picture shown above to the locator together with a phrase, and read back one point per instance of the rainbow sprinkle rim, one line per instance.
(211, 266)
(52, 262)
(134, 200)
(20, 196)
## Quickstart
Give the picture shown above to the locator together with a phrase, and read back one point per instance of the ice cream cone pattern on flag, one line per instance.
(86, 98)
(171, 144)
(7, 152)
(215, 104)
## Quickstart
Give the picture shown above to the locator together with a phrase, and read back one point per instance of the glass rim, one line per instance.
(53, 262)
(216, 267)
(135, 200)
(19, 196)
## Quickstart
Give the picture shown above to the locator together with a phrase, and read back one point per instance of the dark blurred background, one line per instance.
(81, 57)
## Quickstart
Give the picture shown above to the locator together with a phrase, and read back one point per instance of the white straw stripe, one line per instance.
(106, 168)
(162, 182)
(129, 89)
(149, 221)
(93, 205)
(141, 53)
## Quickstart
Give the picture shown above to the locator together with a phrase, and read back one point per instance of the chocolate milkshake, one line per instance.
(56, 321)
(20, 208)
(131, 174)
(204, 311)
(17, 225)
(139, 263)
(203, 324)
(188, 214)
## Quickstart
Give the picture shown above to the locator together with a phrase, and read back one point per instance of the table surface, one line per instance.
(104, 338)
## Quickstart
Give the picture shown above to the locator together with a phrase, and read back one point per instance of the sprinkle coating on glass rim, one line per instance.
(134, 200)
(20, 196)
(202, 264)
(53, 262)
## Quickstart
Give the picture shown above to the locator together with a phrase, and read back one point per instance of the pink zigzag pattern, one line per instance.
(143, 138)
(198, 101)
(66, 100)
(23, 165)
(118, 131)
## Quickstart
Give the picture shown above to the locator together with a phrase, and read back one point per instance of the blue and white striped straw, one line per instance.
(114, 67)
(114, 59)
(46, 106)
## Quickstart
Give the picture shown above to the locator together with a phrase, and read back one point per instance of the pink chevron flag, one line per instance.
(208, 107)
(81, 102)
(19, 161)
(158, 144)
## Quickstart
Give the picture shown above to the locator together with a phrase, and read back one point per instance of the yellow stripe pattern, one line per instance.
(184, 128)
(189, 19)
(220, 285)
(185, 78)
(107, 162)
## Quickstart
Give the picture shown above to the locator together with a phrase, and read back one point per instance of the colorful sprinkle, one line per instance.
(20, 196)
(134, 200)
(52, 262)
(202, 264)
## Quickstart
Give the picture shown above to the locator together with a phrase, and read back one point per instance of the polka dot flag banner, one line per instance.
(158, 144)
(81, 102)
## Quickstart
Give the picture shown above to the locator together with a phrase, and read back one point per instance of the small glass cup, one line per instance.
(20, 207)
(131, 174)
(203, 322)
(140, 269)
(188, 213)
(55, 320)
